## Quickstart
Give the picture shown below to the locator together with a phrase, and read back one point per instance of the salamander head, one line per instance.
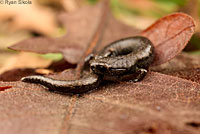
(108, 66)
(99, 66)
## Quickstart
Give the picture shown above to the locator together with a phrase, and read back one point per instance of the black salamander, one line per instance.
(124, 59)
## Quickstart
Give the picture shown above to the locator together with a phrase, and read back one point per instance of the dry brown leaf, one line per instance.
(16, 74)
(159, 104)
(169, 35)
(82, 29)
(183, 66)
(29, 16)
(181, 61)
(24, 60)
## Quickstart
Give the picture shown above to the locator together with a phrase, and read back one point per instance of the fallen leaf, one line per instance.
(184, 66)
(169, 35)
(159, 104)
(23, 60)
(9, 37)
(16, 74)
(29, 16)
(60, 66)
(82, 30)
(181, 61)
(192, 74)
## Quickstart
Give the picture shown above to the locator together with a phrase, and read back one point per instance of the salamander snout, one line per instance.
(98, 68)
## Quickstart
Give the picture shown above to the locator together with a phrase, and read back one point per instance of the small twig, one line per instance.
(94, 42)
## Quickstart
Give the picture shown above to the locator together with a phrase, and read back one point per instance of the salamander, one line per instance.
(124, 59)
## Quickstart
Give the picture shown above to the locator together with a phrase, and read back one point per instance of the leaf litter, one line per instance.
(159, 104)
(21, 19)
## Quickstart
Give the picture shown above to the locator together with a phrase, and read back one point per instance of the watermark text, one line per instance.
(14, 2)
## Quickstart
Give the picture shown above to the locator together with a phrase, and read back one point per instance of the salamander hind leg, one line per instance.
(136, 76)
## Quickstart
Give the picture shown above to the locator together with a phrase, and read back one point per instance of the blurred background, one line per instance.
(22, 21)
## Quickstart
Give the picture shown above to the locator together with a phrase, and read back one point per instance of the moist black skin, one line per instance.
(66, 86)
(124, 59)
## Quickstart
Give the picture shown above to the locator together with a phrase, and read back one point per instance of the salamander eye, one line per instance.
(93, 68)
(101, 68)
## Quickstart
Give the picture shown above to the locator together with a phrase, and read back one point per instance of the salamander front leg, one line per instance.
(141, 74)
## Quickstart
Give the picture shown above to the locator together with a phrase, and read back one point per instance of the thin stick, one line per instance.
(94, 42)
